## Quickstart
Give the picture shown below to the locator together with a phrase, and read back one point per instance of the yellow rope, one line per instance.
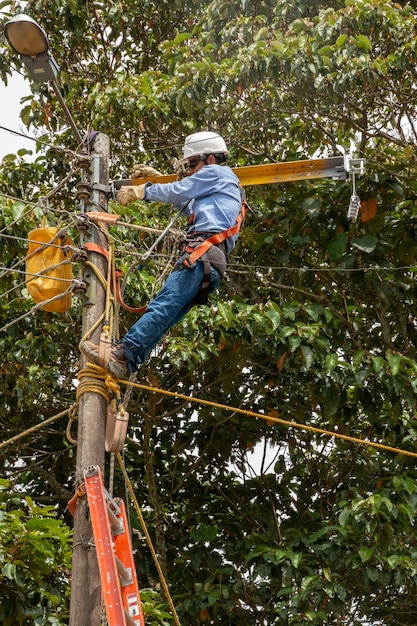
(269, 418)
(91, 381)
(3, 444)
(94, 378)
(148, 539)
(72, 417)
(110, 384)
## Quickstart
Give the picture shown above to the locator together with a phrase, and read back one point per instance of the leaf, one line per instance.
(225, 312)
(43, 524)
(308, 356)
(394, 360)
(331, 362)
(274, 314)
(204, 533)
(295, 558)
(9, 570)
(368, 210)
(337, 246)
(365, 554)
(344, 517)
(281, 361)
(358, 358)
(372, 573)
(378, 363)
(363, 42)
(274, 414)
(309, 581)
(365, 244)
(340, 40)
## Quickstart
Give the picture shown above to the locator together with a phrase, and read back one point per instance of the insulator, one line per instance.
(79, 286)
(83, 191)
(84, 161)
(82, 222)
(353, 210)
(80, 254)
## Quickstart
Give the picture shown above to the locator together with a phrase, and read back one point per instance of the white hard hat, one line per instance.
(201, 145)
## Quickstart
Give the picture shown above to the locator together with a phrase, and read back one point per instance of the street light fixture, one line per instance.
(31, 43)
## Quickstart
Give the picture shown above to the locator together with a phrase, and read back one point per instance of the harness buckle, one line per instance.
(186, 261)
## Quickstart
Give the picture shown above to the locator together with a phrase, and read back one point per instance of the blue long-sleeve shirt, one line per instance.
(214, 196)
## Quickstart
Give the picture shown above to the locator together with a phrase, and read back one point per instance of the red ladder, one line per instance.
(114, 553)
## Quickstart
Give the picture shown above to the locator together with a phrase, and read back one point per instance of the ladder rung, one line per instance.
(115, 522)
(125, 573)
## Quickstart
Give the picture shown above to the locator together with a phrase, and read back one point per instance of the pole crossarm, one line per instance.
(332, 167)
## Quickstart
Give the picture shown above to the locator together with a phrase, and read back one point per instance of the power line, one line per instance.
(42, 142)
(35, 308)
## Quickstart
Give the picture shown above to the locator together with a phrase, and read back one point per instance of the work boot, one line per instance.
(116, 364)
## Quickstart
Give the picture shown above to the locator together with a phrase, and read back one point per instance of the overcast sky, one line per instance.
(10, 107)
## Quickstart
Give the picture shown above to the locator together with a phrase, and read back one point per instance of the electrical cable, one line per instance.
(32, 205)
(35, 308)
(41, 142)
(33, 429)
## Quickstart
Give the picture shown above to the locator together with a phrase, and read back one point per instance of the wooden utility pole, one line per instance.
(86, 601)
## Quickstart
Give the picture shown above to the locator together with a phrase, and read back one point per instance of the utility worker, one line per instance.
(210, 195)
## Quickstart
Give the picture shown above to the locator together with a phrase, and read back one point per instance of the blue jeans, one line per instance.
(167, 308)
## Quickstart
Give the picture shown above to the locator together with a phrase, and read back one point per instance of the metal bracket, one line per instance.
(354, 166)
(104, 188)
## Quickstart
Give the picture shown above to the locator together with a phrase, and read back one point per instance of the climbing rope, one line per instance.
(148, 538)
(33, 429)
(92, 381)
(269, 418)
(103, 383)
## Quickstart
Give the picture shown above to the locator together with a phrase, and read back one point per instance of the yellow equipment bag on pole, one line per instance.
(49, 268)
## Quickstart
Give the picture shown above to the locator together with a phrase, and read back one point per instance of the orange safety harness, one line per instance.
(198, 247)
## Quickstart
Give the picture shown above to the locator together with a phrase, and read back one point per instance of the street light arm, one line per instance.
(67, 112)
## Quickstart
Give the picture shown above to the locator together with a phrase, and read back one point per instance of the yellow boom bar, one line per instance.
(332, 167)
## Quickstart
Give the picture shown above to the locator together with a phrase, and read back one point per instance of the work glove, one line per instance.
(144, 171)
(129, 193)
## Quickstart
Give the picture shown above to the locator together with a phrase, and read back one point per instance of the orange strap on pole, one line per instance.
(94, 247)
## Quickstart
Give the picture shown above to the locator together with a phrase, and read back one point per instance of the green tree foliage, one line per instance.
(35, 561)
(314, 323)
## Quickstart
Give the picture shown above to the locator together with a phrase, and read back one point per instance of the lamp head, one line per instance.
(25, 36)
(31, 43)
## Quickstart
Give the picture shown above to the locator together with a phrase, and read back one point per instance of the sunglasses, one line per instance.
(192, 164)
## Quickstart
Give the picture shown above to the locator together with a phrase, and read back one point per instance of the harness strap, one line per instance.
(202, 249)
(196, 253)
(202, 296)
